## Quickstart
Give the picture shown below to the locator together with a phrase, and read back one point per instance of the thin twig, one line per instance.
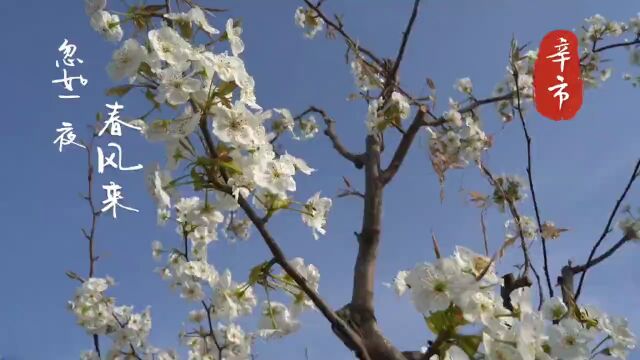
(595, 261)
(607, 228)
(211, 333)
(610, 46)
(405, 39)
(331, 133)
(484, 232)
(405, 143)
(94, 219)
(516, 216)
(340, 30)
(530, 176)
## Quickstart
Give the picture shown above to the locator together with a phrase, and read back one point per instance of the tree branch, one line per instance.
(511, 284)
(331, 133)
(607, 228)
(516, 216)
(354, 341)
(595, 261)
(610, 46)
(361, 312)
(476, 103)
(565, 280)
(94, 219)
(405, 39)
(369, 236)
(339, 28)
(530, 177)
(351, 339)
(211, 332)
(405, 143)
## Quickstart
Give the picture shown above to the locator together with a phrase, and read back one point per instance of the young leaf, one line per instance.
(468, 343)
(119, 91)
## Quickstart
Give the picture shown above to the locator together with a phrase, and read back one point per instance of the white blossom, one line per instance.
(276, 320)
(238, 125)
(309, 21)
(554, 309)
(630, 227)
(233, 34)
(175, 88)
(464, 85)
(156, 249)
(93, 6)
(196, 16)
(435, 287)
(127, 60)
(569, 340)
(170, 46)
(230, 299)
(107, 24)
(276, 176)
(315, 214)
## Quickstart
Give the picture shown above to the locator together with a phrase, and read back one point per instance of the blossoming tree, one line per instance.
(224, 146)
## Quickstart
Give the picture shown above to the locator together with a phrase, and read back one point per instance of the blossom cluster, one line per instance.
(211, 91)
(383, 115)
(457, 295)
(204, 84)
(460, 141)
(98, 315)
(598, 29)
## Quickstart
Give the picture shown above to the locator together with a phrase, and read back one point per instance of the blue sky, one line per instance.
(580, 166)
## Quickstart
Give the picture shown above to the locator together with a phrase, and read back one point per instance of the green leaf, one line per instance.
(145, 69)
(204, 161)
(230, 165)
(445, 320)
(258, 272)
(226, 88)
(185, 29)
(198, 180)
(436, 322)
(153, 8)
(73, 276)
(151, 97)
(119, 90)
(468, 343)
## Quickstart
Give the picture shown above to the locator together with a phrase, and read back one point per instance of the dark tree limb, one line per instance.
(479, 102)
(405, 39)
(594, 49)
(565, 280)
(360, 312)
(332, 134)
(405, 143)
(596, 260)
(511, 284)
